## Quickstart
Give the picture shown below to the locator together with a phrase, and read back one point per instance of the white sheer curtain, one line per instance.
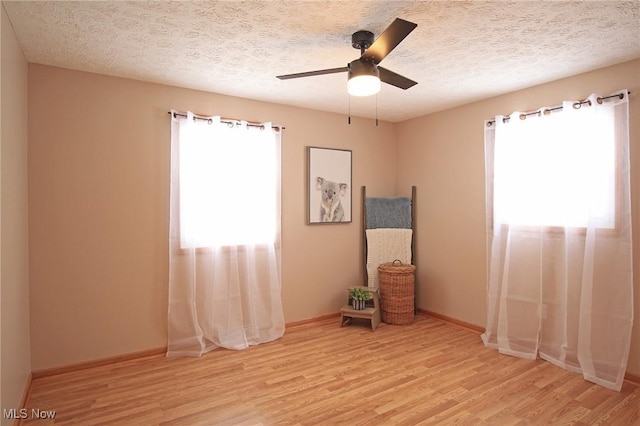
(559, 236)
(224, 269)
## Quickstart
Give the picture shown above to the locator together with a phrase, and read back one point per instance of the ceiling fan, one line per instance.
(364, 73)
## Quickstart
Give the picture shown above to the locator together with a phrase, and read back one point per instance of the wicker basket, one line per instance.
(397, 292)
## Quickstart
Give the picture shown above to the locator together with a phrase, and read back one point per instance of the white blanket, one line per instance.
(386, 245)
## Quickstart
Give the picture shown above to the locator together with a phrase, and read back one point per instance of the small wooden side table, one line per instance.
(370, 312)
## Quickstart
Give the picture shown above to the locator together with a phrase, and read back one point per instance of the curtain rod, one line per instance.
(224, 120)
(548, 111)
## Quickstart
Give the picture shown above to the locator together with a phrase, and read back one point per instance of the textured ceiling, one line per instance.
(460, 51)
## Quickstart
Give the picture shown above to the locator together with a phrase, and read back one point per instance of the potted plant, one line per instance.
(359, 298)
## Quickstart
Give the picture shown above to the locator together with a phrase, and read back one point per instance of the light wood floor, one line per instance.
(428, 372)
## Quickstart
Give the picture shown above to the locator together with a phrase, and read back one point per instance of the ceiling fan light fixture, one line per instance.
(364, 78)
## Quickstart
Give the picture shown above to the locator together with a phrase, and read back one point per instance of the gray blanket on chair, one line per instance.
(388, 213)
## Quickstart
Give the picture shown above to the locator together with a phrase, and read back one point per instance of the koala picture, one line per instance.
(328, 185)
(331, 209)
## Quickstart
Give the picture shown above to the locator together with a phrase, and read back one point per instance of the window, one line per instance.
(555, 169)
(228, 183)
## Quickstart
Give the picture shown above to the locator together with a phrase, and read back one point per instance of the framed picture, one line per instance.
(328, 185)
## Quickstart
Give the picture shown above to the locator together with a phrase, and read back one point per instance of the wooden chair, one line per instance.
(370, 312)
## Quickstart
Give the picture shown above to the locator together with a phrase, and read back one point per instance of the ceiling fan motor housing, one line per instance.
(360, 67)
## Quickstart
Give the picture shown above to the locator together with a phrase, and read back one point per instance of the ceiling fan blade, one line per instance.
(388, 40)
(312, 73)
(394, 79)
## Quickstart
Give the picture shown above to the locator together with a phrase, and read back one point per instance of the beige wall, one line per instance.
(14, 249)
(443, 154)
(99, 191)
(98, 173)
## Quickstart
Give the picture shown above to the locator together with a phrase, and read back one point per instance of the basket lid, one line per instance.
(396, 266)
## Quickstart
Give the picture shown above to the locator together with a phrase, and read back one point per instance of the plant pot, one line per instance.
(358, 305)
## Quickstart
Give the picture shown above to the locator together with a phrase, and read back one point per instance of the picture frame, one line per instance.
(329, 188)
